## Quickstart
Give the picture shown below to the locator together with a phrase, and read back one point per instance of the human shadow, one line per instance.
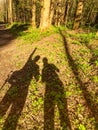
(15, 96)
(83, 86)
(54, 95)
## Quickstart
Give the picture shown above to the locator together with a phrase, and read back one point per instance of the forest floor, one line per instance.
(51, 84)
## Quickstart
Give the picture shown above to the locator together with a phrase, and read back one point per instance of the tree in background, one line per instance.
(1, 11)
(78, 16)
(90, 12)
(10, 11)
(33, 13)
(44, 13)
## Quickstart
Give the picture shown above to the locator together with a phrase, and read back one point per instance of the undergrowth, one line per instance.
(83, 38)
(72, 68)
(29, 34)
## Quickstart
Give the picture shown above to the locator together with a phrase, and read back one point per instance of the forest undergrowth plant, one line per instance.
(82, 38)
(76, 42)
(29, 34)
(82, 127)
(86, 38)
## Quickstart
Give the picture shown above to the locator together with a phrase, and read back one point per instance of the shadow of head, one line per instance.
(36, 58)
(45, 60)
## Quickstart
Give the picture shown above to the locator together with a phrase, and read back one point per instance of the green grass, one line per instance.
(95, 79)
(29, 34)
(82, 38)
(96, 62)
(82, 127)
(86, 38)
(76, 42)
(95, 51)
(33, 112)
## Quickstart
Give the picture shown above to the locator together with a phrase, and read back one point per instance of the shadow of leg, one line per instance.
(49, 107)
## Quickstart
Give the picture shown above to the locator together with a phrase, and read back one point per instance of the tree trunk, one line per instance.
(45, 14)
(51, 12)
(78, 15)
(67, 6)
(10, 16)
(33, 14)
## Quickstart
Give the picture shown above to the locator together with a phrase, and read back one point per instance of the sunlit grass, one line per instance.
(29, 34)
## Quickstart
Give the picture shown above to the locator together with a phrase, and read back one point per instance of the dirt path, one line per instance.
(27, 109)
(7, 42)
(6, 38)
(12, 54)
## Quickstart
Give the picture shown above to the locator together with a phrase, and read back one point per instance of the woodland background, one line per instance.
(43, 13)
(48, 64)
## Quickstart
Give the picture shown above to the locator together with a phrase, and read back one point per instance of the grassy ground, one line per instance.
(54, 81)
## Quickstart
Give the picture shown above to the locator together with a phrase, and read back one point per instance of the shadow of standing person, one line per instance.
(54, 95)
(16, 95)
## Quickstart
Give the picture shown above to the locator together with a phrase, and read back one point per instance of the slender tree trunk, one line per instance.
(63, 10)
(51, 12)
(78, 14)
(5, 12)
(58, 12)
(10, 15)
(33, 13)
(67, 6)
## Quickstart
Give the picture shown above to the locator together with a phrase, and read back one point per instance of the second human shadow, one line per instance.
(54, 95)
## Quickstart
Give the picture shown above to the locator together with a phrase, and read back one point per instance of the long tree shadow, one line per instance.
(83, 86)
(54, 95)
(15, 97)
